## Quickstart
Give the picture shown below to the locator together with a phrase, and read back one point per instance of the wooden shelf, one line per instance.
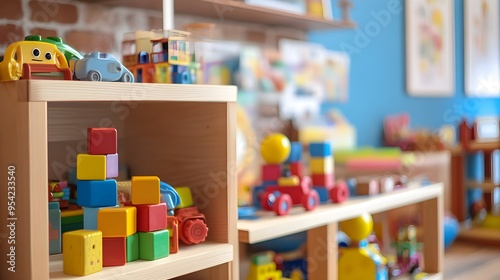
(236, 11)
(486, 236)
(204, 255)
(184, 134)
(269, 226)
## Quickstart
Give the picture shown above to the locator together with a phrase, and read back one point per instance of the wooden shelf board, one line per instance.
(486, 186)
(232, 10)
(64, 91)
(189, 259)
(270, 226)
(486, 236)
(430, 276)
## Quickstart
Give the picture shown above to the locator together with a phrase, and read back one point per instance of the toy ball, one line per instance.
(451, 229)
(358, 228)
(275, 148)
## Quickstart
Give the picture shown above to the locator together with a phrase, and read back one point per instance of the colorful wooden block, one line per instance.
(154, 245)
(271, 172)
(114, 251)
(369, 187)
(323, 180)
(297, 169)
(320, 149)
(151, 217)
(291, 181)
(323, 193)
(145, 190)
(112, 166)
(54, 228)
(82, 252)
(90, 217)
(321, 165)
(102, 141)
(186, 199)
(295, 152)
(117, 222)
(90, 167)
(97, 193)
(132, 247)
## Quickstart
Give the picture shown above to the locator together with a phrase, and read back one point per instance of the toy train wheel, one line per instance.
(311, 200)
(283, 205)
(340, 192)
(193, 232)
(267, 200)
(127, 78)
(94, 76)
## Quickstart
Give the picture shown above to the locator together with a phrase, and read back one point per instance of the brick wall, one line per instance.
(93, 27)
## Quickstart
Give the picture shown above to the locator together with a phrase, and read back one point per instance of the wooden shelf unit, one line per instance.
(185, 134)
(234, 10)
(322, 225)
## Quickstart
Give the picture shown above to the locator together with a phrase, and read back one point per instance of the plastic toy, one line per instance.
(69, 52)
(97, 66)
(263, 267)
(361, 260)
(23, 59)
(408, 257)
(192, 224)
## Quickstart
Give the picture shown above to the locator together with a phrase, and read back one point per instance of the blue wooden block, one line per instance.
(97, 193)
(323, 194)
(66, 192)
(295, 152)
(320, 149)
(475, 167)
(54, 228)
(90, 217)
(111, 166)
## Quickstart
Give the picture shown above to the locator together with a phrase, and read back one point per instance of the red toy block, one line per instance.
(323, 180)
(150, 217)
(271, 172)
(297, 169)
(102, 141)
(173, 230)
(114, 251)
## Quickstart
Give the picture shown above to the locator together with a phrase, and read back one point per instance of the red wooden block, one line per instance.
(102, 141)
(114, 251)
(323, 180)
(271, 172)
(151, 217)
(297, 169)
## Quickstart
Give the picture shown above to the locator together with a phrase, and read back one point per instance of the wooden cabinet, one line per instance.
(185, 134)
(322, 225)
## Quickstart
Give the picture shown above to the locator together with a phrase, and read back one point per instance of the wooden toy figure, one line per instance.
(361, 260)
(408, 258)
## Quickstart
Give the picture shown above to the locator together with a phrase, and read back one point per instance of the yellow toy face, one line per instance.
(38, 52)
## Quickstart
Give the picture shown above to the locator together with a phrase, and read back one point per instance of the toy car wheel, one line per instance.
(311, 200)
(194, 232)
(340, 192)
(94, 76)
(267, 200)
(283, 205)
(127, 78)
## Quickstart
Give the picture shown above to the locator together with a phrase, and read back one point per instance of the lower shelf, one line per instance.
(430, 276)
(189, 259)
(486, 236)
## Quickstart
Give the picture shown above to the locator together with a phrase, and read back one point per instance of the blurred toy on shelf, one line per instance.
(408, 257)
(361, 260)
(263, 267)
(97, 66)
(161, 56)
(192, 223)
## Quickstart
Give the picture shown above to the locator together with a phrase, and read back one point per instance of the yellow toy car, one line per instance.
(34, 55)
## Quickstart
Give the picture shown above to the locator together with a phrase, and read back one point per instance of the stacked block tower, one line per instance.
(321, 169)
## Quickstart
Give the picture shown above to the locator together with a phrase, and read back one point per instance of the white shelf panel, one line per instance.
(64, 91)
(269, 226)
(189, 259)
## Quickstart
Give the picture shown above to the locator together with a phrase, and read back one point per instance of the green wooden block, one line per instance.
(132, 247)
(71, 227)
(154, 245)
(72, 220)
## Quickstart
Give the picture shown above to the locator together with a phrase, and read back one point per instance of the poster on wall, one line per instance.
(429, 48)
(482, 55)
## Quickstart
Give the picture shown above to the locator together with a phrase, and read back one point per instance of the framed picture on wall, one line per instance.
(430, 47)
(481, 46)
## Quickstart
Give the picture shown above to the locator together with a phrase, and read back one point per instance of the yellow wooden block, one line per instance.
(321, 165)
(117, 221)
(82, 252)
(290, 181)
(186, 197)
(90, 167)
(145, 190)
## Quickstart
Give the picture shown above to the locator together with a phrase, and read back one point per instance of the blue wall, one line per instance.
(377, 78)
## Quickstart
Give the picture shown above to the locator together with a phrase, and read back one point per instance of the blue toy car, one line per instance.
(97, 66)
